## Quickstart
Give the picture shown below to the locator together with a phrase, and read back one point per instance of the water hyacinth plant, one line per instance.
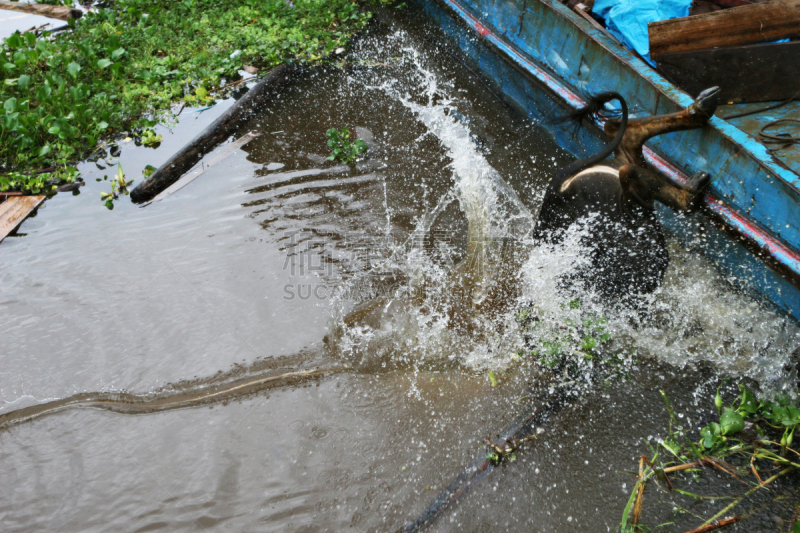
(122, 67)
(342, 147)
(750, 443)
(119, 185)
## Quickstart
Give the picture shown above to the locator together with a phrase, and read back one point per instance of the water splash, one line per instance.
(460, 313)
(695, 316)
(441, 312)
(698, 315)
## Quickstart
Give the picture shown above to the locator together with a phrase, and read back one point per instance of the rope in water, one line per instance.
(522, 429)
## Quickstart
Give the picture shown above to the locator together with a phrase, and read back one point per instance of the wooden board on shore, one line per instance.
(43, 10)
(14, 210)
(750, 24)
(743, 73)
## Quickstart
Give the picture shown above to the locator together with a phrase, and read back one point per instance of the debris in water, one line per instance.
(14, 210)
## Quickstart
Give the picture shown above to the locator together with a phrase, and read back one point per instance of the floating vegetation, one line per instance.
(151, 138)
(342, 147)
(148, 170)
(750, 443)
(119, 185)
(38, 182)
(575, 347)
(503, 452)
(123, 66)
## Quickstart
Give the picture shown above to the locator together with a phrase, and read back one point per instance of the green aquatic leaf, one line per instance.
(588, 343)
(730, 422)
(710, 435)
(748, 404)
(791, 416)
(73, 69)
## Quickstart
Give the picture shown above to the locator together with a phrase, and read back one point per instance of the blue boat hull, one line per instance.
(541, 55)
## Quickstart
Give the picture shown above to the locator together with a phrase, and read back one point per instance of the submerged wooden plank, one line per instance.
(53, 12)
(218, 131)
(755, 23)
(14, 210)
(216, 158)
(743, 73)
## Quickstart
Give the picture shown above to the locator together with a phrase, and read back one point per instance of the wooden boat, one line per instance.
(540, 54)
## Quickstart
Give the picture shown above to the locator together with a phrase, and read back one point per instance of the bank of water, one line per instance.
(404, 273)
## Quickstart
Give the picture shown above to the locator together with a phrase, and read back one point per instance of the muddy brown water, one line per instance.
(249, 272)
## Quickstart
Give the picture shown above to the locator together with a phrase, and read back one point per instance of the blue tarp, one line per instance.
(627, 19)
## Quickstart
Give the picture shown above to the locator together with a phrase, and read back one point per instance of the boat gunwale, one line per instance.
(678, 96)
(780, 256)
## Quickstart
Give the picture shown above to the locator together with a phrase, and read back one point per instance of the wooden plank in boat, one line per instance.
(743, 73)
(750, 24)
(14, 210)
(585, 12)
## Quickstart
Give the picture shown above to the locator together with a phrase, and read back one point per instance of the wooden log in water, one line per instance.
(219, 130)
(218, 157)
(44, 10)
